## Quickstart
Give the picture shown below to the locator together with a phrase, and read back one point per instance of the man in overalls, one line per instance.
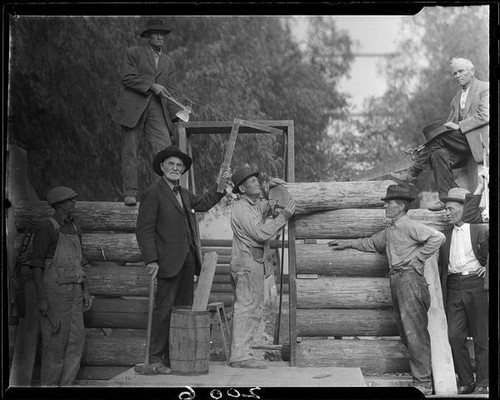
(59, 272)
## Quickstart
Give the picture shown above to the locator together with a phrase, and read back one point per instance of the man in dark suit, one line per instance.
(462, 271)
(468, 123)
(148, 75)
(168, 237)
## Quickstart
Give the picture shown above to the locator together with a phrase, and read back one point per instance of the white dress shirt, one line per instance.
(462, 257)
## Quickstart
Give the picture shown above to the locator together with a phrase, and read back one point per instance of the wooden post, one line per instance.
(443, 372)
(202, 292)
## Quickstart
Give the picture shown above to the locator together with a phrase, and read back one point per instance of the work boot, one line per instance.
(437, 206)
(426, 390)
(467, 389)
(407, 175)
(250, 363)
(130, 201)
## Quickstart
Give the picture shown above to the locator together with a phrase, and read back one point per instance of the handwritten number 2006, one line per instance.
(216, 394)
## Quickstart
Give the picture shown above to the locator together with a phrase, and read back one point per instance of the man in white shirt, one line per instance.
(462, 268)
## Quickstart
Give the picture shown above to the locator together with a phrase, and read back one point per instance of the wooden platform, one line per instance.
(277, 374)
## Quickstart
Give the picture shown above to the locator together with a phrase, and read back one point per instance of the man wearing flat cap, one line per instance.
(408, 244)
(462, 269)
(168, 238)
(148, 74)
(450, 145)
(251, 231)
(59, 274)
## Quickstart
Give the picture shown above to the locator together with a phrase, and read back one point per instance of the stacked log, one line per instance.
(118, 280)
(345, 294)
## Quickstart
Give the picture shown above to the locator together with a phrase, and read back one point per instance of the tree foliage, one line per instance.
(64, 77)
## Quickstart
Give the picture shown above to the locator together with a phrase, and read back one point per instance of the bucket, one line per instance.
(189, 344)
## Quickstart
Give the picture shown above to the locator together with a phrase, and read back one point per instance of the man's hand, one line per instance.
(417, 265)
(344, 244)
(159, 89)
(87, 301)
(153, 268)
(481, 272)
(452, 125)
(275, 182)
(43, 305)
(289, 209)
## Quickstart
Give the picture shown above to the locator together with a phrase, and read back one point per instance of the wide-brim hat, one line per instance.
(170, 151)
(433, 130)
(398, 192)
(241, 176)
(154, 25)
(455, 194)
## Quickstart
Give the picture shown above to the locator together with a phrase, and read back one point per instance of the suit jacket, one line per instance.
(476, 117)
(479, 239)
(138, 75)
(162, 233)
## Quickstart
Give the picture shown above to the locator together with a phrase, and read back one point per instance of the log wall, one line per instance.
(344, 315)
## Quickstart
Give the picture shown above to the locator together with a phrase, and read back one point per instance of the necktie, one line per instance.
(176, 189)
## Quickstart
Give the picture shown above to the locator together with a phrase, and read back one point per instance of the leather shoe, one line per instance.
(406, 175)
(161, 369)
(437, 206)
(424, 389)
(481, 389)
(130, 201)
(250, 363)
(467, 388)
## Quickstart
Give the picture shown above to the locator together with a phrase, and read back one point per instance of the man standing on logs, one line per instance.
(59, 271)
(251, 230)
(462, 268)
(408, 245)
(461, 138)
(168, 238)
(142, 109)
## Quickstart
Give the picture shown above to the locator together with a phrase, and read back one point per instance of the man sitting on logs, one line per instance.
(408, 245)
(250, 232)
(459, 137)
(59, 271)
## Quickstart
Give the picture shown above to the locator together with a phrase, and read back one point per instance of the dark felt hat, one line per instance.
(398, 192)
(433, 130)
(154, 24)
(241, 176)
(171, 151)
(455, 194)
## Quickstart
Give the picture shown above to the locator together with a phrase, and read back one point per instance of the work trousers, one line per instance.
(62, 351)
(170, 292)
(248, 285)
(448, 151)
(467, 313)
(152, 127)
(411, 301)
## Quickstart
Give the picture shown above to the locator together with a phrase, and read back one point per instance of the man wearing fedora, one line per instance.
(462, 270)
(141, 109)
(251, 230)
(448, 146)
(168, 238)
(408, 244)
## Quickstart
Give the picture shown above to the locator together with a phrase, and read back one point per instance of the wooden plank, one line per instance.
(337, 292)
(226, 298)
(26, 340)
(372, 356)
(117, 313)
(443, 371)
(356, 223)
(204, 285)
(260, 127)
(322, 260)
(346, 322)
(312, 197)
(228, 155)
(292, 285)
(110, 280)
(224, 127)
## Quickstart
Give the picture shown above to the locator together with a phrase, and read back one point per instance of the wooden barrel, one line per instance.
(189, 343)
